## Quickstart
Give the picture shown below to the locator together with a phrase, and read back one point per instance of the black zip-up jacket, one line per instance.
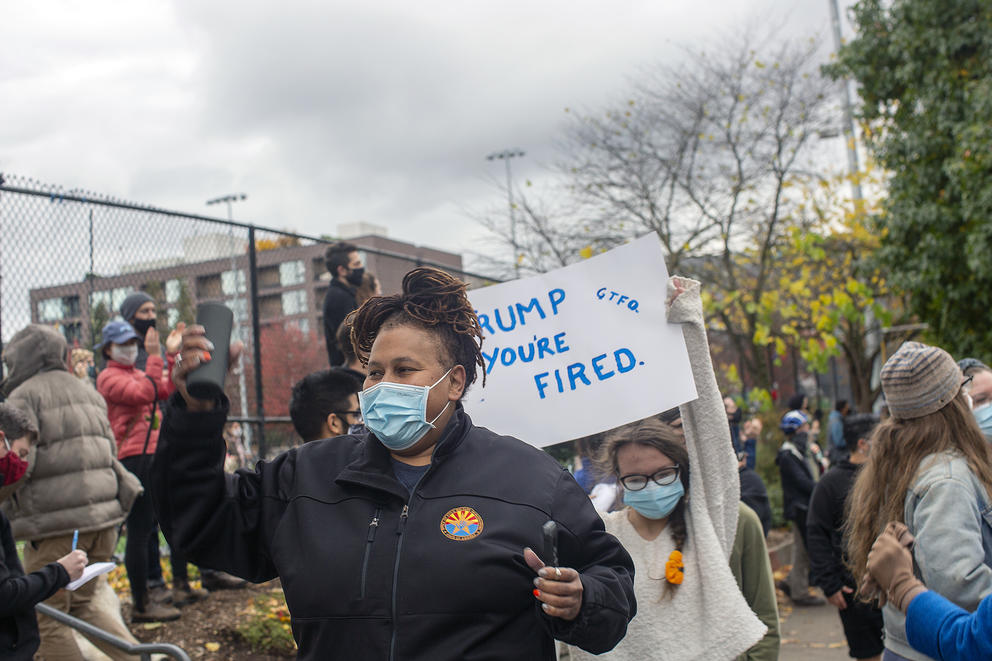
(18, 595)
(339, 301)
(797, 478)
(372, 572)
(824, 528)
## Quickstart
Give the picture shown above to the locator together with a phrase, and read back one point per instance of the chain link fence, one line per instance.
(69, 257)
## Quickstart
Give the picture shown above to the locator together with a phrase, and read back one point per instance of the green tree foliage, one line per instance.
(925, 74)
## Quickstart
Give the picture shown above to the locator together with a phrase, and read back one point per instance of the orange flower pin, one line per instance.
(674, 569)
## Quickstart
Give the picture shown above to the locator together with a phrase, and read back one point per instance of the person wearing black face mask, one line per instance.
(345, 266)
(138, 309)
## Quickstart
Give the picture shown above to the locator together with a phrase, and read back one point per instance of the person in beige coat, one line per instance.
(73, 481)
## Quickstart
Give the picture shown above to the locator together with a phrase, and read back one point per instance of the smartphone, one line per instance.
(550, 530)
(207, 380)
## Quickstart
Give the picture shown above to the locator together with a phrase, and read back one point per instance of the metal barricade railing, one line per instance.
(144, 650)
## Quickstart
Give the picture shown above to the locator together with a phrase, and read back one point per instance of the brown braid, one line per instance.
(434, 301)
(653, 433)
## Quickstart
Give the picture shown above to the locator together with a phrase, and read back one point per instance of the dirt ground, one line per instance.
(207, 629)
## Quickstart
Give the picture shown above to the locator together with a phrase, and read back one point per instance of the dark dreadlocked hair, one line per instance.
(434, 301)
(653, 433)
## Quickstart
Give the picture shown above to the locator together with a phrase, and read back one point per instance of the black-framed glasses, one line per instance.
(967, 381)
(663, 477)
(341, 414)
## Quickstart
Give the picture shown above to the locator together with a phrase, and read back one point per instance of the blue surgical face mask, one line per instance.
(397, 413)
(655, 501)
(983, 414)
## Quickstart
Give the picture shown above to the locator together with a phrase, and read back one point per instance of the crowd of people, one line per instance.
(659, 538)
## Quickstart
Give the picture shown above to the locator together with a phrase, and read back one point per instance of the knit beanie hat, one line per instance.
(918, 380)
(130, 306)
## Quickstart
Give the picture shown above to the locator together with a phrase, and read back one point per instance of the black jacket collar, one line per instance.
(373, 468)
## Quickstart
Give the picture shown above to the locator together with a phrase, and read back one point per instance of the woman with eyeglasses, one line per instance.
(682, 496)
(930, 467)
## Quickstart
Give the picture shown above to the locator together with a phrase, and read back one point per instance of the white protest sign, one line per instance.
(580, 350)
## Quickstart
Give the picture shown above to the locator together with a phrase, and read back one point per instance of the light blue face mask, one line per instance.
(655, 501)
(983, 414)
(397, 413)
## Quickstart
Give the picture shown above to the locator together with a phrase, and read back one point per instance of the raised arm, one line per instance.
(218, 519)
(714, 489)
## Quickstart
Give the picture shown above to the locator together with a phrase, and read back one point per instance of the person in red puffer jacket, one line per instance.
(132, 396)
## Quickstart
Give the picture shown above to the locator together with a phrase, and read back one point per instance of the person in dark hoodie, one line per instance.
(139, 310)
(862, 622)
(346, 268)
(410, 541)
(797, 486)
(20, 592)
(74, 481)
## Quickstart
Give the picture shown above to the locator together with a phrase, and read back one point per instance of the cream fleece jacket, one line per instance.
(706, 617)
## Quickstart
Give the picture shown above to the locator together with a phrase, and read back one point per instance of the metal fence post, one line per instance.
(256, 336)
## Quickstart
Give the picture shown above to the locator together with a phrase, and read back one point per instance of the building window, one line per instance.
(50, 310)
(173, 317)
(173, 290)
(292, 273)
(233, 282)
(117, 298)
(294, 302)
(73, 332)
(101, 298)
(239, 306)
(70, 305)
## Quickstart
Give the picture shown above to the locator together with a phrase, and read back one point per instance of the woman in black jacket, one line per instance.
(408, 542)
(19, 592)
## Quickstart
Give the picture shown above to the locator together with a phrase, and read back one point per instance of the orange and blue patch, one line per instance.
(461, 524)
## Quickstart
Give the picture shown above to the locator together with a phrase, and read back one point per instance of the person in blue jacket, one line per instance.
(412, 540)
(934, 625)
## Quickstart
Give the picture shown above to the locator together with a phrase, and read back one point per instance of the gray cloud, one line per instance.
(324, 112)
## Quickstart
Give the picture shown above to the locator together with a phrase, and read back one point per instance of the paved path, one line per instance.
(811, 633)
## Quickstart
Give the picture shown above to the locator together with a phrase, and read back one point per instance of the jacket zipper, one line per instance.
(373, 526)
(404, 515)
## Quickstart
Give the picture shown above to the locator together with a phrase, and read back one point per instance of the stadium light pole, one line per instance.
(505, 156)
(242, 386)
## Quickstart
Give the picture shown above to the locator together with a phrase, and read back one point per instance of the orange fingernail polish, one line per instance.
(537, 593)
(206, 356)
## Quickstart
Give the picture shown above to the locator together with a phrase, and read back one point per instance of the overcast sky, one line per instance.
(328, 112)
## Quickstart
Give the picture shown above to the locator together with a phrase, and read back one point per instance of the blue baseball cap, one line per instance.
(116, 332)
(792, 421)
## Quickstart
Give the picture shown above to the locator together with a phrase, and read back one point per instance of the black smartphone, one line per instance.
(550, 530)
(207, 380)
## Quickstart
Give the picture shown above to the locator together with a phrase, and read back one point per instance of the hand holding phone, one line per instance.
(207, 380)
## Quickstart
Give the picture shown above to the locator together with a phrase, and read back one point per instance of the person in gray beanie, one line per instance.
(139, 310)
(930, 467)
